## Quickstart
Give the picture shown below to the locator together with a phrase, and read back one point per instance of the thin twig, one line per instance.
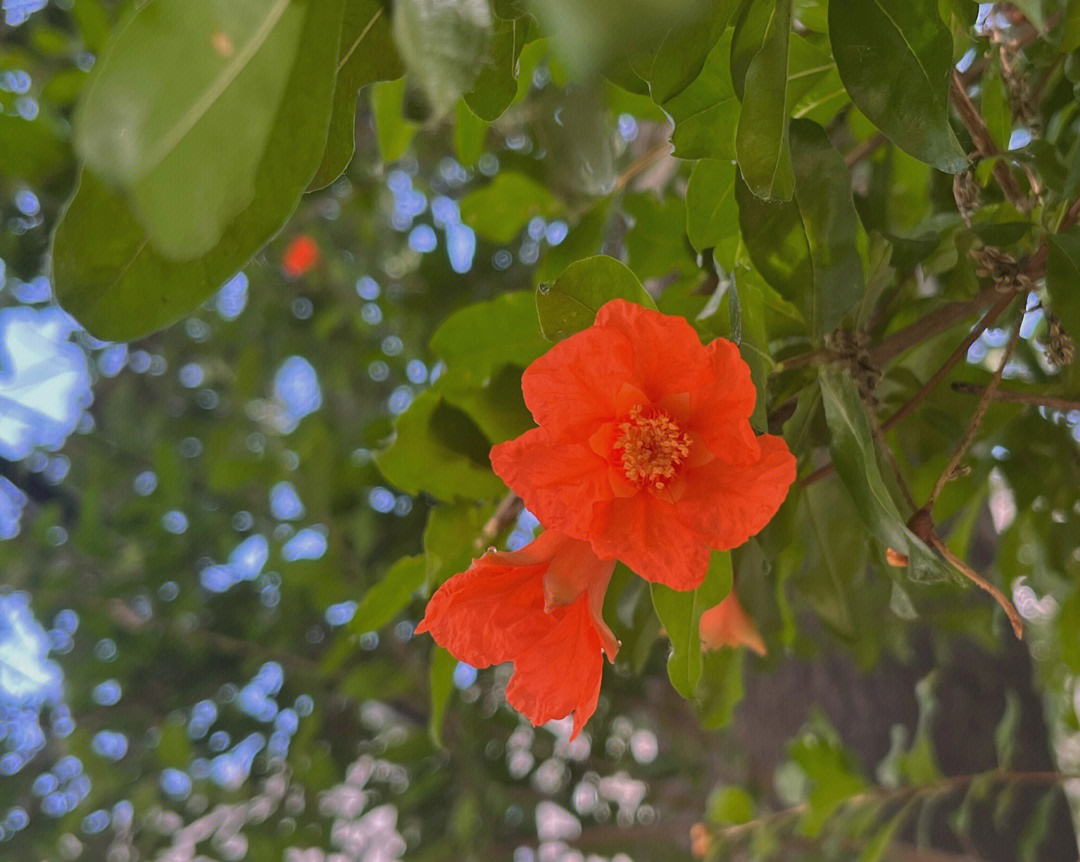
(641, 164)
(886, 449)
(977, 416)
(981, 582)
(934, 323)
(984, 142)
(1032, 398)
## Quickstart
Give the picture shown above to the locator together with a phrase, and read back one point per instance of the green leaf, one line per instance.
(499, 210)
(1063, 279)
(366, 54)
(720, 687)
(761, 138)
(823, 195)
(656, 240)
(438, 449)
(895, 59)
(712, 215)
(198, 108)
(442, 43)
(441, 687)
(670, 65)
(393, 132)
(384, 600)
(1007, 731)
(776, 241)
(470, 135)
(832, 771)
(33, 150)
(108, 272)
(835, 553)
(995, 103)
(706, 112)
(450, 539)
(855, 458)
(496, 84)
(680, 612)
(570, 304)
(482, 338)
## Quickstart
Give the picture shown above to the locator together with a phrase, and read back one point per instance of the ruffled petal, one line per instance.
(719, 410)
(560, 674)
(571, 390)
(645, 533)
(489, 613)
(559, 482)
(729, 503)
(574, 569)
(668, 355)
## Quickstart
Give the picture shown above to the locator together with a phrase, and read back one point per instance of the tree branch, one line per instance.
(1032, 398)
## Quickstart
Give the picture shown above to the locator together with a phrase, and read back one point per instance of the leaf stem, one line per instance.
(1032, 398)
(981, 582)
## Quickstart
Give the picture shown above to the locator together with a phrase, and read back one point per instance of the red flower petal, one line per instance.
(729, 503)
(728, 624)
(301, 256)
(668, 356)
(720, 409)
(488, 614)
(561, 672)
(646, 534)
(573, 387)
(559, 482)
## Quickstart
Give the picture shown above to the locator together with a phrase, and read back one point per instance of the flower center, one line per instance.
(653, 446)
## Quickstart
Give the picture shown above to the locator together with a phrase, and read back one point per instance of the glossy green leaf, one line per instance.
(442, 43)
(499, 210)
(761, 138)
(673, 62)
(706, 112)
(680, 613)
(198, 108)
(496, 84)
(855, 458)
(895, 58)
(366, 54)
(712, 215)
(827, 211)
(776, 241)
(994, 104)
(1063, 279)
(438, 449)
(570, 304)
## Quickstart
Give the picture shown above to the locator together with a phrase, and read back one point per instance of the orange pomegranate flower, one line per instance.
(727, 624)
(540, 608)
(645, 448)
(301, 256)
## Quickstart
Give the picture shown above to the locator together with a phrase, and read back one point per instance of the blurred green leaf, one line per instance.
(442, 43)
(496, 84)
(393, 132)
(437, 449)
(367, 54)
(387, 598)
(198, 109)
(499, 210)
(570, 304)
(442, 687)
(895, 58)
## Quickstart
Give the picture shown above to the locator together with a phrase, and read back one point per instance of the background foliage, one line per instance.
(271, 270)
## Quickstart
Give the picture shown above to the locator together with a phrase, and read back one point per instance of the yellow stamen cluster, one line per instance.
(653, 446)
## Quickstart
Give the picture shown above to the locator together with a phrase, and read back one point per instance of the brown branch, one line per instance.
(1032, 398)
(504, 516)
(977, 417)
(934, 323)
(981, 582)
(864, 149)
(984, 142)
